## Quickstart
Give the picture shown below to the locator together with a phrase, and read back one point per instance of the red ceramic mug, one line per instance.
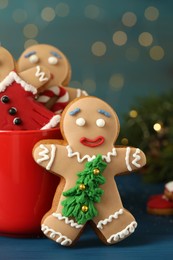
(26, 189)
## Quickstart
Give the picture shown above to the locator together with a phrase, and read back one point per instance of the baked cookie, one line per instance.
(54, 94)
(168, 190)
(87, 162)
(160, 205)
(18, 108)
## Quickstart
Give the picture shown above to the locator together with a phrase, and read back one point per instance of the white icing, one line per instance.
(33, 58)
(122, 234)
(84, 93)
(52, 60)
(127, 159)
(12, 76)
(100, 122)
(64, 98)
(67, 221)
(169, 186)
(40, 74)
(52, 123)
(104, 222)
(137, 158)
(80, 92)
(80, 121)
(45, 157)
(43, 99)
(89, 158)
(63, 240)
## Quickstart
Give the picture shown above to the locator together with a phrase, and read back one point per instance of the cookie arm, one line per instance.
(130, 159)
(49, 155)
(37, 76)
(74, 93)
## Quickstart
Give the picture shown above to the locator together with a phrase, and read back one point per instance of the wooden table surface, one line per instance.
(152, 239)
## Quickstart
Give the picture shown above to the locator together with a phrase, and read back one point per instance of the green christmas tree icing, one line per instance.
(80, 200)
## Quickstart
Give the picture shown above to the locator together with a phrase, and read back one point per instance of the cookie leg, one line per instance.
(114, 228)
(61, 229)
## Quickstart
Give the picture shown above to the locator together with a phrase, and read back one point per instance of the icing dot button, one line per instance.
(17, 121)
(82, 187)
(12, 111)
(5, 99)
(96, 171)
(84, 208)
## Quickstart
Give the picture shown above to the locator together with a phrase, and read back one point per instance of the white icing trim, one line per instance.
(63, 240)
(40, 74)
(107, 157)
(104, 222)
(52, 123)
(80, 92)
(137, 158)
(12, 76)
(45, 157)
(169, 186)
(122, 234)
(67, 221)
(127, 159)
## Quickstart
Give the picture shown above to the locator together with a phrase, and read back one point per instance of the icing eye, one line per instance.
(80, 121)
(33, 58)
(53, 60)
(100, 122)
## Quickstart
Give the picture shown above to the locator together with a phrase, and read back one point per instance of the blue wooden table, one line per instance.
(152, 239)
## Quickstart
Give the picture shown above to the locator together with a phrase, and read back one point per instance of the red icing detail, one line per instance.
(32, 114)
(159, 202)
(92, 142)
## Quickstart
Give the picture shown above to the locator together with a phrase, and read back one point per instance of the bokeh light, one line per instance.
(119, 38)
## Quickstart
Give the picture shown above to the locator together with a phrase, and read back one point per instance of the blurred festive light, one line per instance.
(157, 53)
(124, 141)
(151, 13)
(89, 85)
(92, 11)
(145, 39)
(29, 43)
(129, 19)
(133, 113)
(30, 31)
(119, 38)
(3, 4)
(116, 81)
(48, 14)
(19, 15)
(98, 48)
(132, 53)
(62, 9)
(157, 127)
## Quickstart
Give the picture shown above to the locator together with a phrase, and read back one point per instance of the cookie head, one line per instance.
(90, 124)
(49, 57)
(7, 63)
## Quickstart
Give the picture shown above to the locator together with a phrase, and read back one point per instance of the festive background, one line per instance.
(118, 50)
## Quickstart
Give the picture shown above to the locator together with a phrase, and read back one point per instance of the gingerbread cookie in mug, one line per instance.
(18, 108)
(87, 162)
(55, 95)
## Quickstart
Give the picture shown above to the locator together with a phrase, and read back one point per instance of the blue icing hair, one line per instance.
(105, 113)
(74, 112)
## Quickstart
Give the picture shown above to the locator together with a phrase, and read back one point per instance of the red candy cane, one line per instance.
(62, 98)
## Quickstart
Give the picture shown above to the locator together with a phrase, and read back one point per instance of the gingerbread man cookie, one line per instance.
(87, 162)
(18, 108)
(54, 95)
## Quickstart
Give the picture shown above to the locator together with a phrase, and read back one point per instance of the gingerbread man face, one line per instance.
(87, 162)
(51, 58)
(7, 63)
(90, 126)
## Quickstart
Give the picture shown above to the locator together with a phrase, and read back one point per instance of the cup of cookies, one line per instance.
(26, 189)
